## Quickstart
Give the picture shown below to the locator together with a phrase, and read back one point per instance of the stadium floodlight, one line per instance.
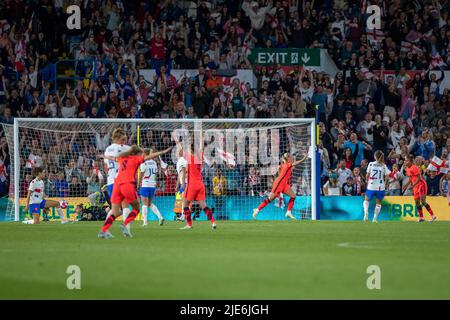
(245, 152)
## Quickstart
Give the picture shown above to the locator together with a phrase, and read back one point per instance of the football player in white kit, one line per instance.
(149, 170)
(119, 138)
(377, 177)
(181, 170)
(36, 199)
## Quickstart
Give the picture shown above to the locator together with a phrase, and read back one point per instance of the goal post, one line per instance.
(242, 157)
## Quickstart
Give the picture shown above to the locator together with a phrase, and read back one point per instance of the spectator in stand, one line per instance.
(433, 183)
(343, 173)
(349, 188)
(62, 186)
(357, 148)
(332, 187)
(394, 181)
(219, 193)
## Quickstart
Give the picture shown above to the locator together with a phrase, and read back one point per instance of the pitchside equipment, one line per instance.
(241, 159)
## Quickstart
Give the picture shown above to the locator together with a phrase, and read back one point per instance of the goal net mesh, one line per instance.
(241, 163)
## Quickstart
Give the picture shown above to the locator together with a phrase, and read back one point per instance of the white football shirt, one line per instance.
(181, 163)
(149, 169)
(377, 176)
(37, 191)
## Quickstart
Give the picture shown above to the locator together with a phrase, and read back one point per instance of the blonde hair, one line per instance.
(285, 157)
(118, 133)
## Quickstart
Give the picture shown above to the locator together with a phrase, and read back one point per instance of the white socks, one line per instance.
(377, 211)
(156, 211)
(366, 209)
(144, 214)
(61, 215)
(125, 213)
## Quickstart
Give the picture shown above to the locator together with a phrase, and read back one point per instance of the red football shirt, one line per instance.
(194, 168)
(128, 167)
(413, 173)
(285, 172)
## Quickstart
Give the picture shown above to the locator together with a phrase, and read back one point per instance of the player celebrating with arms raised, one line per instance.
(377, 177)
(125, 188)
(36, 198)
(282, 184)
(195, 188)
(149, 169)
(419, 186)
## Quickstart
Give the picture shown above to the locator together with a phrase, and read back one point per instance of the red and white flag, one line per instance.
(31, 161)
(410, 47)
(437, 61)
(227, 157)
(438, 165)
(375, 35)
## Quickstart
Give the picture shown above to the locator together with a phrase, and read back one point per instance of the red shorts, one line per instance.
(126, 191)
(195, 191)
(420, 190)
(280, 187)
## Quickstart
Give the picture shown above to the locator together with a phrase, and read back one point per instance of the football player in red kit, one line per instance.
(282, 185)
(419, 186)
(195, 188)
(125, 188)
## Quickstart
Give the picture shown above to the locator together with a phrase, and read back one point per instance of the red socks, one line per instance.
(290, 204)
(427, 206)
(263, 204)
(133, 214)
(419, 209)
(108, 223)
(187, 216)
(209, 214)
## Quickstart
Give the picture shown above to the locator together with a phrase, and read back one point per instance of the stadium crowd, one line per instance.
(362, 108)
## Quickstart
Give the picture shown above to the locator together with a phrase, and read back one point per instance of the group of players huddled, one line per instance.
(123, 163)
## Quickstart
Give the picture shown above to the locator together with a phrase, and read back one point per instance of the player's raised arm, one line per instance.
(296, 163)
(157, 154)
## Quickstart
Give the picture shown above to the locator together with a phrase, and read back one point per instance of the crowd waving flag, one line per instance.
(438, 165)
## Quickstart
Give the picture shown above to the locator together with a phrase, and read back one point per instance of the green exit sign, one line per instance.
(285, 57)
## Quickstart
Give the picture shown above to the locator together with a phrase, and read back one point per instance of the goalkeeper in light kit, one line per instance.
(125, 189)
(419, 186)
(36, 199)
(282, 185)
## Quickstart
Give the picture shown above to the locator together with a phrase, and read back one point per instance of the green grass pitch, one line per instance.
(239, 260)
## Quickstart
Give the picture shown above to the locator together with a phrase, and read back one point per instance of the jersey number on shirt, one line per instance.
(124, 165)
(375, 174)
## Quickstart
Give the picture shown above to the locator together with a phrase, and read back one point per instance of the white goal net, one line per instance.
(242, 158)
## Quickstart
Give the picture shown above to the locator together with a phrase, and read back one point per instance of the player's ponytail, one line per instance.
(379, 156)
(285, 157)
(118, 133)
